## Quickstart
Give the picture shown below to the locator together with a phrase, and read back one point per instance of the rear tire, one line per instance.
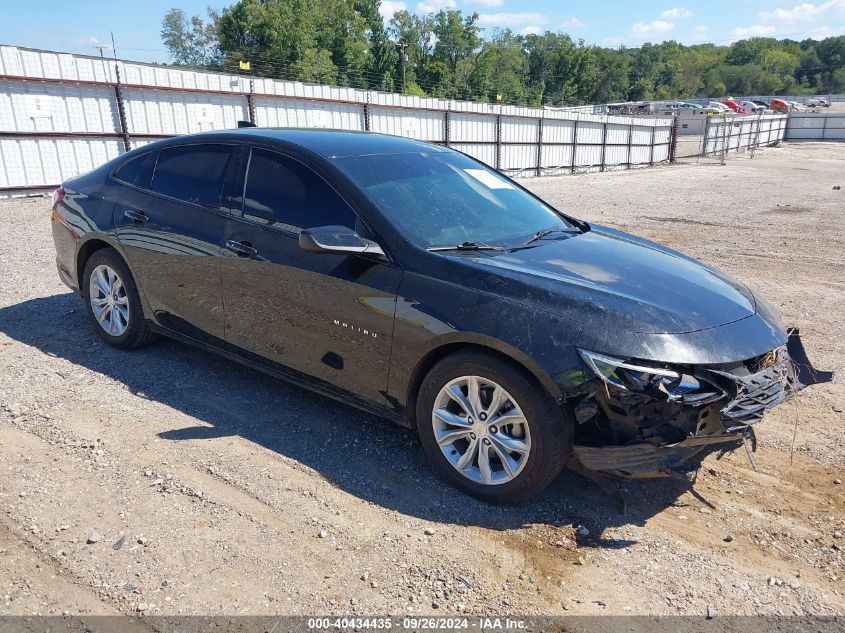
(112, 301)
(523, 432)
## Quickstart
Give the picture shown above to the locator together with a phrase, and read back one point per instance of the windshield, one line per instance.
(442, 199)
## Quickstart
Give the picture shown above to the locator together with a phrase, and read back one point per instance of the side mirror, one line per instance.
(336, 239)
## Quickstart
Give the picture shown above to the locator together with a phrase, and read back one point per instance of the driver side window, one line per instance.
(285, 194)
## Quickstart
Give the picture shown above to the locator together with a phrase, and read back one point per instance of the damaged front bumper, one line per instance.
(664, 428)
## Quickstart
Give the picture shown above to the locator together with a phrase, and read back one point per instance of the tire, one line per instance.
(131, 329)
(547, 432)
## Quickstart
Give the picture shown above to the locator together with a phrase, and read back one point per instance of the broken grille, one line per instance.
(756, 393)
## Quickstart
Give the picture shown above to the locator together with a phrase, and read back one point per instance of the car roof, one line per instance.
(328, 143)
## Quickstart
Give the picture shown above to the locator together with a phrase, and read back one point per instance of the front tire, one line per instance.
(489, 429)
(112, 301)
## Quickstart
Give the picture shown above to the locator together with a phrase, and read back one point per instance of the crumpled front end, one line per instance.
(644, 420)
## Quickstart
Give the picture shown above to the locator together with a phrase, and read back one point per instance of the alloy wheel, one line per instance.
(481, 430)
(108, 299)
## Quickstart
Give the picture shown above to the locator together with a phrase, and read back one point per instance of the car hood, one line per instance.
(609, 279)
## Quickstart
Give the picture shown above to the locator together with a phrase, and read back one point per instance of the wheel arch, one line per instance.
(451, 345)
(84, 253)
(97, 243)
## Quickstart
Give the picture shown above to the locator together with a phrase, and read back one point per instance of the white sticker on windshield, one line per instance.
(490, 180)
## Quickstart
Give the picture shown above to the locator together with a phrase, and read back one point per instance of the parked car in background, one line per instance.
(779, 105)
(749, 107)
(421, 285)
(764, 104)
(794, 106)
(718, 105)
(733, 105)
(691, 106)
(817, 102)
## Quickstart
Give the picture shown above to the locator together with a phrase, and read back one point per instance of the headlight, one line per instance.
(657, 382)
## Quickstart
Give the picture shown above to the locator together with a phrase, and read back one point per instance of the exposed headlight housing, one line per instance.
(657, 382)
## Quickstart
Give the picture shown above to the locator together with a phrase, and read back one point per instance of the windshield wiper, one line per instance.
(466, 246)
(543, 233)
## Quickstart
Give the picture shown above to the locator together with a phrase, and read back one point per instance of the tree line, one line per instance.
(446, 54)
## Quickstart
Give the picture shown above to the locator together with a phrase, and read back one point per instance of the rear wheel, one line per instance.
(489, 429)
(112, 301)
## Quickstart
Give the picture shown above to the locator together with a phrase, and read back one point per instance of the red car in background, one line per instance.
(733, 105)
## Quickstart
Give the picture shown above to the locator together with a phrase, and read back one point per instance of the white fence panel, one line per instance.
(520, 130)
(811, 126)
(618, 134)
(472, 127)
(60, 115)
(588, 155)
(423, 125)
(590, 132)
(557, 158)
(270, 112)
(30, 162)
(41, 107)
(169, 112)
(485, 153)
(519, 158)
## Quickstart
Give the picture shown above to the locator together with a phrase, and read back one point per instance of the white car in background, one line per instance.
(817, 102)
(720, 107)
(749, 107)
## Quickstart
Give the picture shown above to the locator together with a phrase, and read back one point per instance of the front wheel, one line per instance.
(489, 429)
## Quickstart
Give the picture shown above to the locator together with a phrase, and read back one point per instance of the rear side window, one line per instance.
(282, 192)
(137, 171)
(193, 173)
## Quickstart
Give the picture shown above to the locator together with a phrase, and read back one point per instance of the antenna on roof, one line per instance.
(246, 124)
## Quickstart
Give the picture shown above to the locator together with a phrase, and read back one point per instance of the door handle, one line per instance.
(242, 249)
(136, 216)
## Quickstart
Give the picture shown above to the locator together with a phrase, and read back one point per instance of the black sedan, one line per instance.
(416, 283)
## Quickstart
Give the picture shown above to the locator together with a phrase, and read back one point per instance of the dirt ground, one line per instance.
(170, 481)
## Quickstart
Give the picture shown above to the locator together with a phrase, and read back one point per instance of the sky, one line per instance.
(77, 27)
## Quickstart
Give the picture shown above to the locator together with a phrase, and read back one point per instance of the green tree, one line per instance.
(190, 41)
(316, 67)
(445, 54)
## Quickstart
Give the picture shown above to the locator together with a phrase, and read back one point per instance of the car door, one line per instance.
(171, 227)
(328, 317)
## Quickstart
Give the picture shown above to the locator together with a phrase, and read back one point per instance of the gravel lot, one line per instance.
(169, 481)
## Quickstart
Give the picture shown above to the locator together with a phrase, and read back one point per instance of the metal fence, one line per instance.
(768, 98)
(816, 126)
(723, 135)
(63, 114)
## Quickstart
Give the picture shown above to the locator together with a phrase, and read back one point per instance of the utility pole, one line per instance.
(101, 48)
(403, 59)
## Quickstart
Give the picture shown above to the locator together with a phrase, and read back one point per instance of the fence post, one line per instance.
(447, 123)
(651, 149)
(540, 146)
(630, 141)
(250, 101)
(603, 146)
(367, 113)
(673, 141)
(824, 126)
(706, 136)
(756, 142)
(574, 146)
(121, 110)
(499, 141)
